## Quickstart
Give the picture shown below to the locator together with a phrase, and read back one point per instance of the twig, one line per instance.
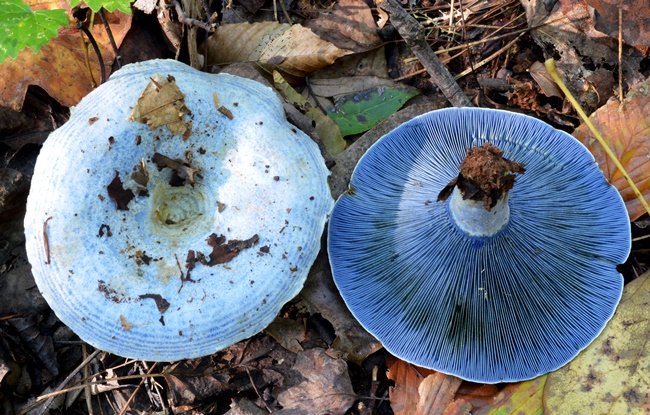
(257, 391)
(415, 37)
(550, 68)
(620, 52)
(208, 27)
(489, 58)
(128, 402)
(311, 92)
(66, 380)
(83, 28)
(107, 27)
(87, 392)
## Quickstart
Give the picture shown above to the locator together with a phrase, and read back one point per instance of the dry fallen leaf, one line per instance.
(437, 393)
(404, 396)
(321, 385)
(627, 127)
(611, 376)
(162, 103)
(349, 25)
(59, 67)
(291, 49)
(320, 295)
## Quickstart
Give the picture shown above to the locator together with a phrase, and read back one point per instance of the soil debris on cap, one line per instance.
(183, 171)
(119, 194)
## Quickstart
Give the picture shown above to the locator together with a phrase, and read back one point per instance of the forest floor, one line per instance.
(315, 358)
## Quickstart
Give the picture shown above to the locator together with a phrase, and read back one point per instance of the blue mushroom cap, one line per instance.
(499, 308)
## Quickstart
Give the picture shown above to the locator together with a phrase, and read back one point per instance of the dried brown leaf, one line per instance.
(349, 25)
(320, 295)
(59, 66)
(636, 20)
(324, 386)
(404, 396)
(437, 392)
(163, 103)
(627, 128)
(292, 49)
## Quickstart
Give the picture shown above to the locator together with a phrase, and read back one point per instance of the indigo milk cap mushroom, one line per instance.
(500, 288)
(175, 213)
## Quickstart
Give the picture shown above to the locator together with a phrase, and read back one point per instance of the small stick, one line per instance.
(414, 35)
(118, 58)
(189, 21)
(256, 391)
(83, 28)
(46, 242)
(620, 53)
(128, 402)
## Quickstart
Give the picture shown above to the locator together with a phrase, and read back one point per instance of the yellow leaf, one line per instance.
(611, 376)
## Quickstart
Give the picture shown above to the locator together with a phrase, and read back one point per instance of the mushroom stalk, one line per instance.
(479, 195)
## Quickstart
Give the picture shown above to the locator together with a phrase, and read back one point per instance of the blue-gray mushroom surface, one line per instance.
(175, 213)
(501, 305)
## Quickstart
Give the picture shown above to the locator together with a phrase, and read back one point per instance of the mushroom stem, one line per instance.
(472, 217)
(479, 194)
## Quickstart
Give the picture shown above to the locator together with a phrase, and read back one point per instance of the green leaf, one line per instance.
(109, 5)
(327, 130)
(21, 27)
(359, 112)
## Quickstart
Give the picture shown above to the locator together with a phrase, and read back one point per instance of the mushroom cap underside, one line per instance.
(499, 308)
(165, 246)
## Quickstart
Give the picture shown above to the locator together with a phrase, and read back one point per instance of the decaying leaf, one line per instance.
(404, 396)
(437, 393)
(627, 128)
(325, 127)
(361, 111)
(163, 103)
(635, 15)
(612, 375)
(288, 332)
(321, 385)
(349, 25)
(579, 48)
(59, 66)
(292, 49)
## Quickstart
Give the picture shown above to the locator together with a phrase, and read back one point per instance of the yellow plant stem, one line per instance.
(550, 68)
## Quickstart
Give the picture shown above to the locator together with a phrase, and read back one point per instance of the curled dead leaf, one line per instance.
(292, 49)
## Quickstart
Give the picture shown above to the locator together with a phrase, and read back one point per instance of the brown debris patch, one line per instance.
(142, 258)
(225, 111)
(119, 194)
(101, 231)
(109, 293)
(223, 252)
(183, 171)
(126, 325)
(161, 303)
(484, 176)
